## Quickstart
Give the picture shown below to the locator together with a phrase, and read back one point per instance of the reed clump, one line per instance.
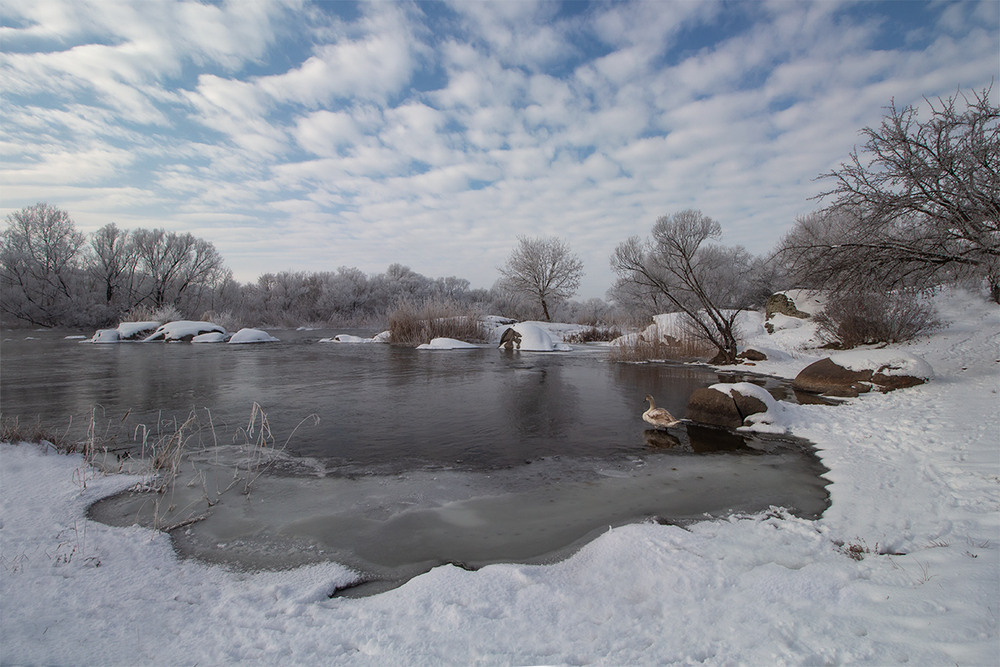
(414, 323)
(685, 347)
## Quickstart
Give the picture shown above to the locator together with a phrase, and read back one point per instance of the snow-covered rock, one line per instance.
(531, 337)
(347, 338)
(182, 330)
(106, 336)
(447, 344)
(728, 404)
(857, 371)
(212, 337)
(247, 335)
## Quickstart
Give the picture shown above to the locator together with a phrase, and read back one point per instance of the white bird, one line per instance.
(659, 417)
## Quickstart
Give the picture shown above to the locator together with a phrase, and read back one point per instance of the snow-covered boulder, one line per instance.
(728, 404)
(854, 372)
(447, 344)
(106, 336)
(252, 336)
(531, 337)
(183, 330)
(212, 337)
(137, 330)
(347, 338)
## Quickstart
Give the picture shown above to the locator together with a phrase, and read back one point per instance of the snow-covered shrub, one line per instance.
(864, 318)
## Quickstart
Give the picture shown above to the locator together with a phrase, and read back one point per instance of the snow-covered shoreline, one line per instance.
(914, 472)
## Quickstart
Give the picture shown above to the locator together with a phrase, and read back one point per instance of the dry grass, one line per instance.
(13, 430)
(594, 334)
(687, 347)
(418, 323)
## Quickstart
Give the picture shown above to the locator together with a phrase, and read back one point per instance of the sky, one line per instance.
(306, 136)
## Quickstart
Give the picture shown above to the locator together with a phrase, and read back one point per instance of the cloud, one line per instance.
(432, 135)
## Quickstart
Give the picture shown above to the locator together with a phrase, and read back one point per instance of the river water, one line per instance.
(393, 460)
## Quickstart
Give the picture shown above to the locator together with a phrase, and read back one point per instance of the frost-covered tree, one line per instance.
(543, 270)
(112, 263)
(709, 283)
(177, 267)
(920, 202)
(40, 267)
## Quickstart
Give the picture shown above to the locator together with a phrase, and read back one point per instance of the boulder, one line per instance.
(708, 406)
(752, 355)
(727, 405)
(848, 374)
(781, 303)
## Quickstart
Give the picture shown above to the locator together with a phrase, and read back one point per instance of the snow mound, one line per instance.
(130, 330)
(536, 338)
(885, 361)
(252, 336)
(447, 344)
(183, 330)
(106, 336)
(213, 337)
(347, 338)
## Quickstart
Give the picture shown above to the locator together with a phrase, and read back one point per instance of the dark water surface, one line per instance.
(418, 457)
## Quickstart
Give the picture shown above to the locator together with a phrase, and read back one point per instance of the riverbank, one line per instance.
(903, 567)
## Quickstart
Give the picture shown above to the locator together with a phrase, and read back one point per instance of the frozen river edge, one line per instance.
(913, 472)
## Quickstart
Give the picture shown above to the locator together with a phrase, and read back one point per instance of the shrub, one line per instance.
(414, 324)
(594, 334)
(865, 318)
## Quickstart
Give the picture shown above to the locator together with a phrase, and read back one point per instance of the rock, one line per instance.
(826, 377)
(727, 405)
(780, 303)
(752, 355)
(708, 406)
(848, 374)
(510, 340)
(747, 405)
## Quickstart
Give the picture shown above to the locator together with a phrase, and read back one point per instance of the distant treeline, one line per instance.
(51, 275)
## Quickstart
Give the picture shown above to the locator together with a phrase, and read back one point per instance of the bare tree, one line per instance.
(710, 284)
(113, 263)
(175, 264)
(921, 201)
(543, 269)
(40, 276)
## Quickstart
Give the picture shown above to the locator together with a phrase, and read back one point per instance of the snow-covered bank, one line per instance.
(916, 471)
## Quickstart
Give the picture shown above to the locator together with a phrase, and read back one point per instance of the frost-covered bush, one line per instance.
(865, 318)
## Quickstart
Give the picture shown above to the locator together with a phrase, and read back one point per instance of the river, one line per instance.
(394, 460)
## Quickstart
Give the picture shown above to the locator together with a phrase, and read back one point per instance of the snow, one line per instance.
(181, 329)
(106, 336)
(348, 338)
(211, 337)
(247, 335)
(914, 472)
(447, 344)
(542, 336)
(887, 362)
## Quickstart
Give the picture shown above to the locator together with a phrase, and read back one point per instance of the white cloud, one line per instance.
(434, 139)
